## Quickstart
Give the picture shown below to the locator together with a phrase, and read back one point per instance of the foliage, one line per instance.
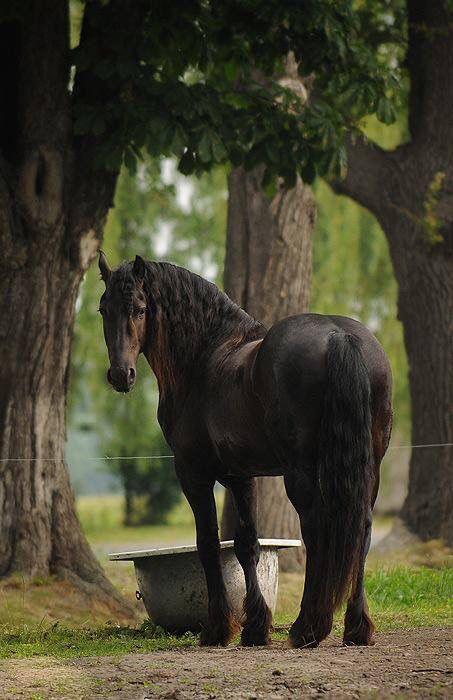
(203, 84)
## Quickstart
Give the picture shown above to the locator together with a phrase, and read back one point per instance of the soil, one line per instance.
(407, 664)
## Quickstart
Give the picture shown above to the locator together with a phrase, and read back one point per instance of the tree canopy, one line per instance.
(191, 83)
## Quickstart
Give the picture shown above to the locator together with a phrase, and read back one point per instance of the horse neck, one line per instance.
(189, 327)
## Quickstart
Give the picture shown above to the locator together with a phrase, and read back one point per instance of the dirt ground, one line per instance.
(409, 664)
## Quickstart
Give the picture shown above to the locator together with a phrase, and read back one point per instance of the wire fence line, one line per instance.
(122, 457)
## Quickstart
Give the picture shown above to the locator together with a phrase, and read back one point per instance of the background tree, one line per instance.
(409, 190)
(268, 273)
(143, 77)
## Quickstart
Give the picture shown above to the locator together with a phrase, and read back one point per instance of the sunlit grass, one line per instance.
(399, 597)
(58, 640)
(102, 520)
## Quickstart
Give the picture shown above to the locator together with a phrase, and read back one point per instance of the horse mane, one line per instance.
(192, 318)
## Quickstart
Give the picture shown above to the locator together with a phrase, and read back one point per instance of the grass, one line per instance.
(399, 597)
(59, 641)
(63, 642)
(101, 518)
(47, 617)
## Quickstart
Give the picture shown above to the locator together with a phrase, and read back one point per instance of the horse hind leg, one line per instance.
(314, 622)
(258, 617)
(358, 626)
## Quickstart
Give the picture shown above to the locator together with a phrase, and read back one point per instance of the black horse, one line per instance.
(309, 399)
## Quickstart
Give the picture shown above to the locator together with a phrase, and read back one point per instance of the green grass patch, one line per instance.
(399, 597)
(102, 521)
(408, 597)
(60, 641)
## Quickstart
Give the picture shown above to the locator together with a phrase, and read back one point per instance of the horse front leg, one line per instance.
(221, 624)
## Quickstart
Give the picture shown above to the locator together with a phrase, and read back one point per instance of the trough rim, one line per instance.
(190, 548)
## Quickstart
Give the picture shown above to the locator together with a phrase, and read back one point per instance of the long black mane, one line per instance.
(194, 315)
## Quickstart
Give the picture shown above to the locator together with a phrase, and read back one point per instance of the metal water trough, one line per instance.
(172, 584)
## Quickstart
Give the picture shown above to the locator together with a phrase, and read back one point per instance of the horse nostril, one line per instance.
(131, 375)
(109, 376)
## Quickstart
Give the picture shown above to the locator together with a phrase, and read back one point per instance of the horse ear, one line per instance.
(104, 267)
(139, 268)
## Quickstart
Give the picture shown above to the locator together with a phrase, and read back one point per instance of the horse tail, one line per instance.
(343, 469)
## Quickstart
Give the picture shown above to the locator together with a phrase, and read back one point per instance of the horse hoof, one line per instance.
(359, 638)
(254, 638)
(361, 634)
(219, 635)
(308, 636)
(303, 642)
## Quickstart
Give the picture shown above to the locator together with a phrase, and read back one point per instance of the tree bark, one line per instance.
(268, 273)
(47, 243)
(425, 308)
(410, 192)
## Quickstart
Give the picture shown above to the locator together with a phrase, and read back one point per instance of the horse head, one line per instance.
(124, 311)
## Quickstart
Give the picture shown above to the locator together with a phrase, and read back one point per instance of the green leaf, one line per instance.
(385, 111)
(270, 184)
(231, 70)
(218, 149)
(179, 142)
(204, 148)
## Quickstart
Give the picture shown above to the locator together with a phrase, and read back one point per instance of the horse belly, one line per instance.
(241, 444)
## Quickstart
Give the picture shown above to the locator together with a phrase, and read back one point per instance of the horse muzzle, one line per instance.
(121, 378)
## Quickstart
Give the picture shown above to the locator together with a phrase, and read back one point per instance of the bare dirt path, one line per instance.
(409, 664)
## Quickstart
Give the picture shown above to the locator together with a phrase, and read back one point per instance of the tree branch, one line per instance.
(366, 172)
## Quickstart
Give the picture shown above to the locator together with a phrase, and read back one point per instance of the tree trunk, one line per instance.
(52, 209)
(410, 192)
(41, 534)
(268, 273)
(425, 307)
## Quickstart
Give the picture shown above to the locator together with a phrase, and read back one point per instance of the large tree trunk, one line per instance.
(425, 307)
(410, 192)
(268, 273)
(52, 209)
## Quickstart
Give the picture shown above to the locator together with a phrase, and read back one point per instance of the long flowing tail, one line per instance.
(343, 468)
